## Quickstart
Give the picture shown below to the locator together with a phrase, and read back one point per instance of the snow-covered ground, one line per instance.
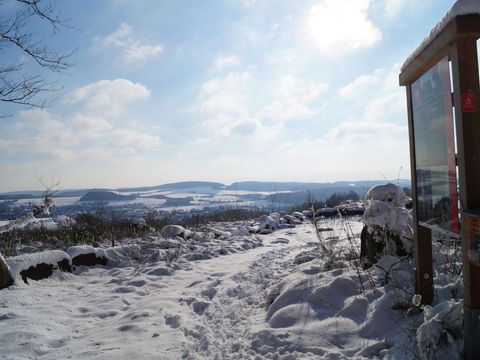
(241, 297)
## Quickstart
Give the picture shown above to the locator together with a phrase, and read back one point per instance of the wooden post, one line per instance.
(466, 81)
(458, 40)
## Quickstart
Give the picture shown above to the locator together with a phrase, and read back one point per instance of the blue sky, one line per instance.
(230, 90)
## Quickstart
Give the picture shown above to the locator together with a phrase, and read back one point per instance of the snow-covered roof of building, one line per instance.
(461, 7)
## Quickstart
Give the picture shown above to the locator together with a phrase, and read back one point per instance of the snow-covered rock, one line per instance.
(139, 222)
(298, 215)
(64, 220)
(5, 277)
(39, 265)
(240, 231)
(172, 231)
(19, 222)
(326, 212)
(290, 219)
(87, 255)
(219, 234)
(266, 224)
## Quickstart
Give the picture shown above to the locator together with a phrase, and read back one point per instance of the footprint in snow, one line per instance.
(141, 315)
(8, 316)
(137, 283)
(129, 327)
(124, 289)
(194, 283)
(218, 274)
(280, 241)
(106, 314)
(200, 307)
(209, 293)
(172, 320)
(187, 300)
(142, 293)
(160, 271)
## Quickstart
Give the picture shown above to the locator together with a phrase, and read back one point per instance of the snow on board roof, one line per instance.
(461, 7)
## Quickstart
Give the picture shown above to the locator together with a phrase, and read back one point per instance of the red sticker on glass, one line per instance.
(469, 102)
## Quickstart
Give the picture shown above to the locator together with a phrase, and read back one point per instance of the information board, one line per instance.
(435, 149)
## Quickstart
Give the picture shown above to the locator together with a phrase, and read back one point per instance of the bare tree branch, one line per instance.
(20, 49)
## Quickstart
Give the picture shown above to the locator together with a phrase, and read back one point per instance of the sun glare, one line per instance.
(342, 26)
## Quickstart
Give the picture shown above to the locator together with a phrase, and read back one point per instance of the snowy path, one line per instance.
(253, 303)
(214, 309)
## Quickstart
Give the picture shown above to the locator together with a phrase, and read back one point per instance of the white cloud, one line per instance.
(132, 138)
(365, 133)
(290, 108)
(379, 92)
(131, 49)
(227, 111)
(286, 85)
(40, 133)
(109, 96)
(225, 95)
(252, 129)
(292, 98)
(363, 83)
(393, 6)
(385, 107)
(291, 86)
(36, 147)
(370, 147)
(314, 91)
(90, 126)
(340, 26)
(222, 62)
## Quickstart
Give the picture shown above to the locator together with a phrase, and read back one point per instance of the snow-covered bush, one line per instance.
(388, 224)
(441, 334)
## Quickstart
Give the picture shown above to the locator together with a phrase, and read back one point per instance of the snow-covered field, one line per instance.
(237, 297)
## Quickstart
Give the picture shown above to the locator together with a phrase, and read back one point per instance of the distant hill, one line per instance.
(177, 186)
(322, 190)
(106, 196)
(193, 184)
(358, 186)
